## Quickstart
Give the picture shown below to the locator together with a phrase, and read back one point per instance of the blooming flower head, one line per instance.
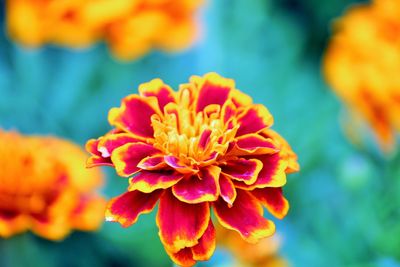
(362, 64)
(263, 254)
(45, 188)
(130, 27)
(204, 147)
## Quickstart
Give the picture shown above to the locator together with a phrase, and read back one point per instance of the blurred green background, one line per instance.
(344, 202)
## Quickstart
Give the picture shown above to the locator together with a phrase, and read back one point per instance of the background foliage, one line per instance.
(344, 202)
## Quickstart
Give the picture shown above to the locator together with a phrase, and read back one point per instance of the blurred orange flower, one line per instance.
(362, 64)
(205, 146)
(45, 188)
(263, 254)
(130, 27)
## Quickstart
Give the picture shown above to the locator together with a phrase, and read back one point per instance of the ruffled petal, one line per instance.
(213, 89)
(110, 142)
(181, 225)
(253, 144)
(228, 191)
(152, 163)
(199, 188)
(271, 175)
(254, 119)
(175, 163)
(95, 159)
(127, 207)
(161, 91)
(273, 200)
(146, 181)
(134, 115)
(245, 217)
(127, 157)
(245, 170)
(286, 151)
(206, 246)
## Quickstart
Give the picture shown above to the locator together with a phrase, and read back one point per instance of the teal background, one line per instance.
(344, 202)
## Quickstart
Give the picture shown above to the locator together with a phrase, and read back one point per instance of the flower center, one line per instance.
(196, 138)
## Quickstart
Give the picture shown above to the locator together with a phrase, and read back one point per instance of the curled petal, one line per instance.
(245, 217)
(273, 200)
(127, 157)
(181, 225)
(286, 151)
(161, 91)
(134, 115)
(127, 207)
(95, 159)
(213, 89)
(228, 191)
(253, 144)
(174, 162)
(254, 119)
(112, 141)
(199, 188)
(147, 182)
(206, 246)
(152, 163)
(271, 175)
(241, 169)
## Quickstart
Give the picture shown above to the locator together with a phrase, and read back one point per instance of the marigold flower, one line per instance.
(130, 27)
(263, 254)
(45, 188)
(362, 64)
(205, 146)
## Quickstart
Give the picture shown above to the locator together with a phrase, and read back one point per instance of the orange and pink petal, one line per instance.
(199, 188)
(148, 181)
(254, 119)
(253, 144)
(127, 207)
(158, 89)
(213, 89)
(273, 200)
(134, 116)
(245, 217)
(181, 225)
(227, 188)
(241, 169)
(127, 157)
(206, 246)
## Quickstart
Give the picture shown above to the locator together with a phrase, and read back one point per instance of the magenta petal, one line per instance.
(152, 163)
(181, 225)
(199, 188)
(134, 115)
(147, 182)
(174, 162)
(161, 91)
(127, 157)
(228, 191)
(212, 91)
(254, 119)
(245, 217)
(127, 207)
(241, 169)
